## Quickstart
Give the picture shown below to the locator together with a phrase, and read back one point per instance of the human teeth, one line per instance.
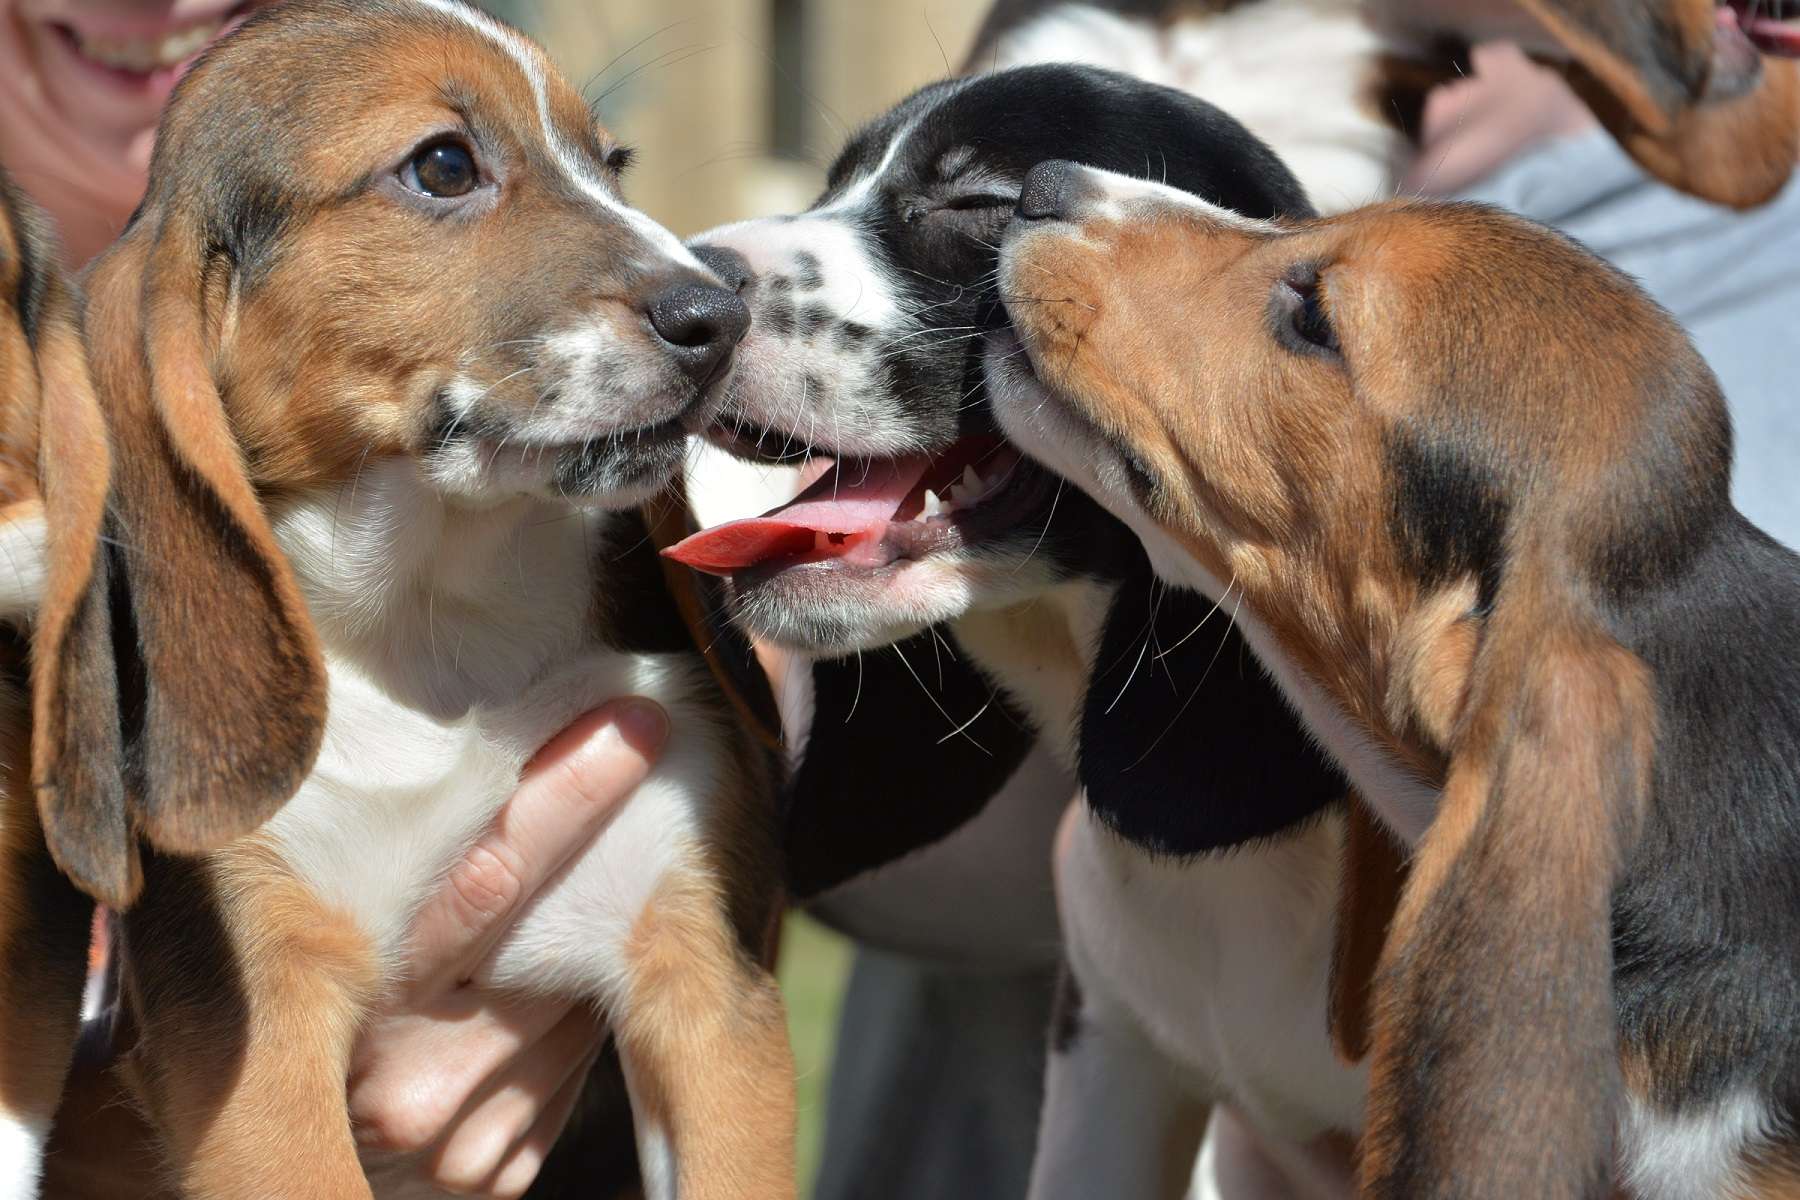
(143, 55)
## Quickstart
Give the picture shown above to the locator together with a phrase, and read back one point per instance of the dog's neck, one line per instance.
(444, 605)
(1043, 649)
(1351, 729)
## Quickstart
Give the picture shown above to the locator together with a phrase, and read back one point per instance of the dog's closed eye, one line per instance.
(1298, 313)
(980, 200)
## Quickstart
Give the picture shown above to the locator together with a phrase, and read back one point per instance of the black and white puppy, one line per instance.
(923, 523)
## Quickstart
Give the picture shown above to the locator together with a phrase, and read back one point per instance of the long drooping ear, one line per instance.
(220, 688)
(76, 749)
(1653, 82)
(1495, 1062)
(1186, 745)
(1368, 896)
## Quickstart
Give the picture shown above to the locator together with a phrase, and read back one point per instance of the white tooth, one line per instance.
(960, 496)
(973, 482)
(933, 506)
(141, 54)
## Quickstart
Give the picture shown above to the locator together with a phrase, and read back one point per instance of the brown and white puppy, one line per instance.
(1337, 87)
(393, 367)
(1467, 486)
(53, 478)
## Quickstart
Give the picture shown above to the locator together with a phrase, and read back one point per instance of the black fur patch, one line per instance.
(1186, 745)
(876, 783)
(36, 259)
(1448, 515)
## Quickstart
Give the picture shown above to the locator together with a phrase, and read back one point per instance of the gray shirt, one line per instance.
(1732, 278)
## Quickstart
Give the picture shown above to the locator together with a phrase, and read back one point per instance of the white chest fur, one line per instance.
(1298, 73)
(1223, 964)
(458, 641)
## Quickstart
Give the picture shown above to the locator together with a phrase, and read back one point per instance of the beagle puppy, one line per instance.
(53, 479)
(1464, 488)
(1020, 610)
(399, 380)
(1702, 93)
(866, 345)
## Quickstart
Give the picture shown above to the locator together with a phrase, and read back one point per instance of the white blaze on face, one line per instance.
(576, 169)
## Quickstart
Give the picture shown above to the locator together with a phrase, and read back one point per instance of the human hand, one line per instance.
(475, 1085)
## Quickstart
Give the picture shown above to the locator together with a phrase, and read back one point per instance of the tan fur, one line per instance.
(280, 1028)
(1434, 651)
(243, 365)
(1732, 149)
(706, 1040)
(1280, 477)
(1368, 893)
(51, 471)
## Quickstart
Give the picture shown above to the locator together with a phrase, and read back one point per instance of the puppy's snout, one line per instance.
(1054, 191)
(701, 324)
(732, 268)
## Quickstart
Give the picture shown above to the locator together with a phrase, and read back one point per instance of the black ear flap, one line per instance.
(1495, 1066)
(1186, 744)
(217, 685)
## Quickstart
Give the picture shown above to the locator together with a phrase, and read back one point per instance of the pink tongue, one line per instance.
(1768, 34)
(1774, 37)
(856, 498)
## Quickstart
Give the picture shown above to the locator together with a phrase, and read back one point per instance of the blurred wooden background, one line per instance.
(737, 105)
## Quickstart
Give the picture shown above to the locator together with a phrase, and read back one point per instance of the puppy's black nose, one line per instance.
(701, 324)
(1050, 191)
(732, 268)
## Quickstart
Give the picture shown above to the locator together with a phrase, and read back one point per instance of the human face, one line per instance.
(82, 83)
(109, 65)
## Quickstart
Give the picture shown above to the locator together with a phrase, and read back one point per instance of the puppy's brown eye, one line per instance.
(1297, 312)
(443, 169)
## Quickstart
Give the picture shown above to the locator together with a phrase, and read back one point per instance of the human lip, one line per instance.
(138, 48)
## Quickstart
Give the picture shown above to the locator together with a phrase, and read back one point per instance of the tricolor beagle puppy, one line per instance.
(397, 378)
(1337, 87)
(53, 479)
(866, 347)
(1465, 489)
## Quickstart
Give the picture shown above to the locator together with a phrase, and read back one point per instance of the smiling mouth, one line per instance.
(146, 55)
(867, 515)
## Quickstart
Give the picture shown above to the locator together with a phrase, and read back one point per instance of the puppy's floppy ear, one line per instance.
(1496, 1069)
(1186, 745)
(1368, 894)
(76, 749)
(1651, 79)
(220, 688)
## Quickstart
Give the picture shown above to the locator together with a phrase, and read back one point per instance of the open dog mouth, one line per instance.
(1768, 25)
(870, 514)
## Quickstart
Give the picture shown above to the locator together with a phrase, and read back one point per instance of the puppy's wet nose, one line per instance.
(1051, 191)
(701, 324)
(732, 268)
